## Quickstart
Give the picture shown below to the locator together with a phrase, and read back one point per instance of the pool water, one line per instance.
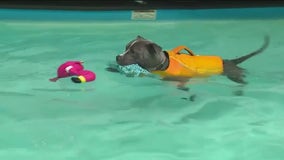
(124, 118)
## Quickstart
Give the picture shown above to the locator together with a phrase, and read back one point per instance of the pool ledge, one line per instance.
(161, 14)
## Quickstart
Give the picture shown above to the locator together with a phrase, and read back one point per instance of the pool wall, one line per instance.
(137, 4)
(160, 14)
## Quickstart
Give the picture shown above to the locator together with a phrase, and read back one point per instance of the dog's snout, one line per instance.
(118, 57)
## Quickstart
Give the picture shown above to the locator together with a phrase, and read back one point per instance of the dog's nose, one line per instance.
(118, 57)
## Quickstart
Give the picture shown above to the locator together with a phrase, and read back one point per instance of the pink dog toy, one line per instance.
(74, 68)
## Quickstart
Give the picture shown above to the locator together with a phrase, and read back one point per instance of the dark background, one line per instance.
(137, 4)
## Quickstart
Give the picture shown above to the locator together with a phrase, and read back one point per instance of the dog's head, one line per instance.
(143, 52)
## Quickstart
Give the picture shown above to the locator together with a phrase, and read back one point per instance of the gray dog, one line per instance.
(179, 66)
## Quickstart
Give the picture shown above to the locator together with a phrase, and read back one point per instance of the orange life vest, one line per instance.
(191, 65)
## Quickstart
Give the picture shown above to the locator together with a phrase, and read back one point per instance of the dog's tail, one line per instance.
(243, 58)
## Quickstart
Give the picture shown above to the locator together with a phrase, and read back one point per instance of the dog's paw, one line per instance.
(190, 98)
(238, 93)
(183, 88)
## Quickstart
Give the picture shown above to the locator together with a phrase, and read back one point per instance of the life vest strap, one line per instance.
(180, 48)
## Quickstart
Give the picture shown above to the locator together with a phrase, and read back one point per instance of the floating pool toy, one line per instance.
(84, 76)
(75, 70)
(133, 70)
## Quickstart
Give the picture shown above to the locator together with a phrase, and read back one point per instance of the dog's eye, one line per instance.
(129, 44)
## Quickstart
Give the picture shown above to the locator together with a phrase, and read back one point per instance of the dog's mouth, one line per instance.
(123, 61)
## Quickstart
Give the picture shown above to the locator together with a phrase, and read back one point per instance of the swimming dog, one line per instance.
(180, 66)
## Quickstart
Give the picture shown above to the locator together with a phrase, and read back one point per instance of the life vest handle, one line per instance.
(180, 48)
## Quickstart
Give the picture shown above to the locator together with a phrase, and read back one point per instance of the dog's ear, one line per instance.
(140, 37)
(153, 48)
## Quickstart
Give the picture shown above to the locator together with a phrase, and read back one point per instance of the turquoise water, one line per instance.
(122, 118)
